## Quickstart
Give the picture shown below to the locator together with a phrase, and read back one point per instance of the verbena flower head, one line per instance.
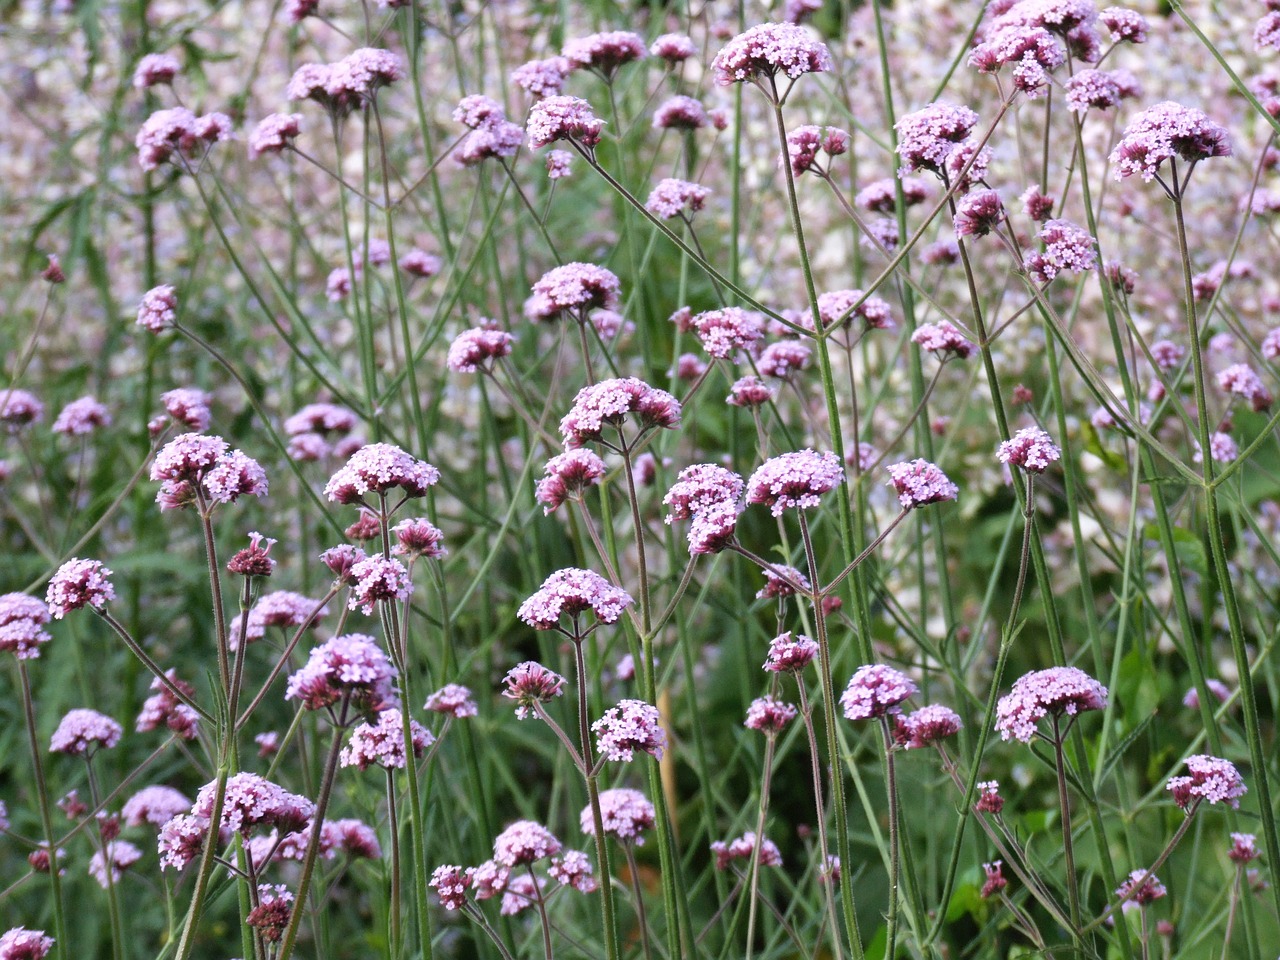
(926, 726)
(1124, 24)
(1244, 848)
(563, 118)
(567, 475)
(784, 359)
(419, 263)
(342, 86)
(164, 709)
(380, 468)
(177, 132)
(572, 592)
(769, 49)
(559, 164)
(154, 806)
(233, 476)
(19, 943)
(1041, 693)
(1066, 247)
(1211, 779)
(680, 113)
(625, 814)
(1141, 888)
(81, 417)
(79, 583)
(1240, 380)
(779, 580)
(1220, 691)
(529, 683)
(450, 884)
(274, 133)
(382, 742)
(351, 666)
(676, 198)
(989, 799)
(81, 731)
(725, 331)
(928, 137)
(978, 213)
(919, 483)
(107, 864)
(19, 408)
(804, 143)
(790, 653)
(881, 196)
(995, 881)
(253, 560)
(610, 402)
(453, 700)
(573, 287)
(542, 78)
(943, 339)
(741, 848)
(1163, 132)
(605, 52)
(188, 407)
(181, 840)
(875, 690)
(252, 801)
(476, 349)
(796, 480)
(700, 487)
(1031, 449)
(376, 580)
(836, 307)
(713, 529)
(573, 869)
(22, 621)
(673, 47)
(524, 842)
(155, 69)
(749, 392)
(158, 310)
(630, 726)
(769, 715)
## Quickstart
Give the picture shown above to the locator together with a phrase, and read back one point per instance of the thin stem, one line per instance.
(1068, 850)
(637, 890)
(824, 846)
(766, 781)
(895, 853)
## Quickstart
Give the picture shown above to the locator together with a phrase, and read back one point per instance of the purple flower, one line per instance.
(995, 881)
(154, 805)
(1041, 693)
(177, 132)
(559, 164)
(234, 475)
(796, 479)
(79, 583)
(605, 52)
(919, 483)
(978, 213)
(158, 310)
(875, 690)
(881, 196)
(106, 864)
(155, 69)
(783, 359)
(529, 683)
(164, 709)
(778, 582)
(609, 402)
(450, 884)
(699, 487)
(926, 726)
(1240, 380)
(274, 133)
(542, 78)
(342, 86)
(1163, 132)
(474, 350)
(19, 943)
(676, 198)
(378, 579)
(573, 287)
(382, 742)
(769, 715)
(380, 468)
(453, 700)
(524, 842)
(680, 113)
(351, 666)
(419, 537)
(567, 476)
(188, 407)
(1141, 888)
(572, 592)
(749, 392)
(563, 118)
(805, 142)
(630, 726)
(989, 799)
(928, 137)
(252, 801)
(673, 48)
(943, 339)
(741, 848)
(1031, 449)
(81, 417)
(22, 621)
(1212, 780)
(1067, 247)
(1244, 848)
(419, 263)
(573, 869)
(1124, 24)
(625, 813)
(790, 654)
(82, 730)
(836, 307)
(767, 50)
(1191, 700)
(725, 331)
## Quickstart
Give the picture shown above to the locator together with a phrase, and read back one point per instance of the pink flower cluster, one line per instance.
(567, 475)
(342, 86)
(875, 690)
(22, 621)
(274, 133)
(804, 143)
(351, 666)
(769, 49)
(1042, 693)
(81, 417)
(572, 592)
(725, 331)
(164, 709)
(790, 654)
(919, 483)
(542, 78)
(1066, 247)
(563, 118)
(625, 813)
(609, 402)
(676, 198)
(928, 137)
(574, 288)
(380, 468)
(492, 134)
(177, 132)
(82, 730)
(630, 726)
(1031, 449)
(741, 848)
(943, 339)
(769, 715)
(796, 480)
(1211, 779)
(79, 583)
(529, 683)
(605, 52)
(1167, 131)
(159, 309)
(708, 495)
(926, 726)
(382, 742)
(474, 350)
(452, 700)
